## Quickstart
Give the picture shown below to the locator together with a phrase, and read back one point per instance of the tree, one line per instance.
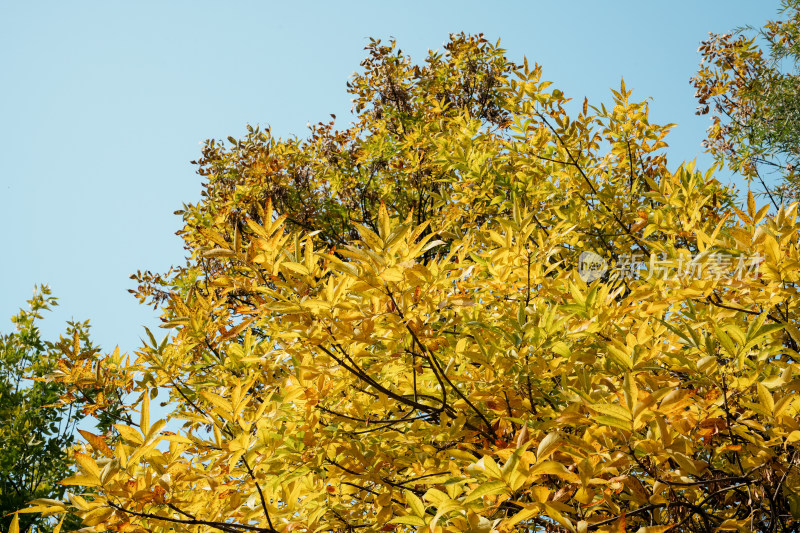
(390, 327)
(751, 81)
(35, 431)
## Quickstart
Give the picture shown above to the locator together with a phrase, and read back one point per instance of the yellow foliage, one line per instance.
(408, 341)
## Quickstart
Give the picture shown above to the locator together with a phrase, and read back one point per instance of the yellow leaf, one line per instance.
(613, 421)
(88, 465)
(224, 407)
(408, 520)
(631, 391)
(44, 510)
(144, 423)
(548, 445)
(47, 501)
(96, 516)
(218, 252)
(296, 267)
(384, 224)
(393, 274)
(369, 237)
(57, 529)
(553, 468)
(129, 434)
(417, 507)
(765, 398)
(78, 501)
(97, 442)
(487, 489)
(614, 410)
(732, 525)
(524, 514)
(154, 430)
(83, 480)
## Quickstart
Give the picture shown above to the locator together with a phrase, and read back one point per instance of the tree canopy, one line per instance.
(391, 327)
(35, 430)
(750, 80)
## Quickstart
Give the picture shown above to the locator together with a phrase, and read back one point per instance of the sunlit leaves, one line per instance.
(385, 327)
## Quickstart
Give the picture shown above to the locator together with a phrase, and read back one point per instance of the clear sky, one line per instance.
(104, 104)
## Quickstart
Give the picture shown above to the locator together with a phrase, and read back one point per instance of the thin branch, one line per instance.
(223, 526)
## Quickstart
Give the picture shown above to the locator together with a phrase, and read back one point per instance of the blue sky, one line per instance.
(104, 105)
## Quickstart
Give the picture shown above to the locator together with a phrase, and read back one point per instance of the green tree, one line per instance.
(750, 81)
(35, 431)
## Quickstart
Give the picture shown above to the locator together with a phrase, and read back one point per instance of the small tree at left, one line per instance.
(36, 430)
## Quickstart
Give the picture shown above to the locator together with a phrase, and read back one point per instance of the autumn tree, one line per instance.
(390, 327)
(750, 81)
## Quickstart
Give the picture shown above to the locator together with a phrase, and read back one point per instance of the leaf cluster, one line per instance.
(749, 79)
(36, 428)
